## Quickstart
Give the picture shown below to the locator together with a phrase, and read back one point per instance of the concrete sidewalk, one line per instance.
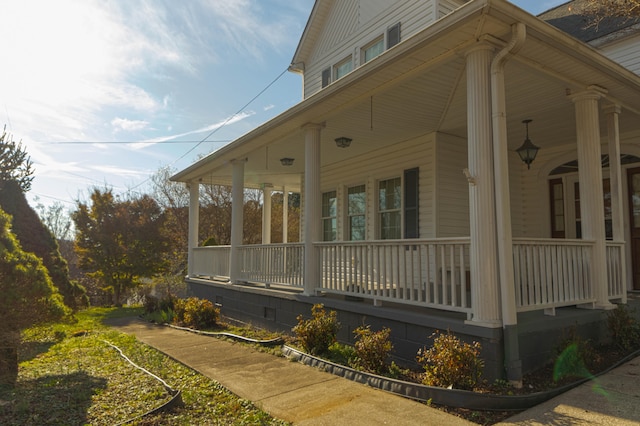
(287, 390)
(612, 399)
(307, 396)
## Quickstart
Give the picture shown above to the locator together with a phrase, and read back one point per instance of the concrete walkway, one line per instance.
(307, 396)
(287, 390)
(612, 399)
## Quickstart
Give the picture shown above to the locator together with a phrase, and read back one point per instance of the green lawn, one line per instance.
(70, 375)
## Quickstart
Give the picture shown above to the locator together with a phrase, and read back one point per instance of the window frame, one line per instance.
(350, 214)
(378, 40)
(329, 208)
(396, 211)
(336, 74)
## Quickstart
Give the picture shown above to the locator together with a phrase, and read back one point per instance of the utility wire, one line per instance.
(225, 122)
(127, 142)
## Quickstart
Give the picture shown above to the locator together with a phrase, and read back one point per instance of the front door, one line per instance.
(633, 181)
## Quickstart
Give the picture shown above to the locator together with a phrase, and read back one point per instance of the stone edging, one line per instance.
(449, 397)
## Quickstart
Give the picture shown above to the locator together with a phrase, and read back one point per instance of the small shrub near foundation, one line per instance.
(315, 335)
(623, 328)
(451, 363)
(372, 349)
(576, 357)
(195, 313)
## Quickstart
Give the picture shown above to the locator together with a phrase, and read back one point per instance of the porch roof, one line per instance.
(419, 87)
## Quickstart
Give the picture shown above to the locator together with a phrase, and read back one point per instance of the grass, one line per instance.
(69, 375)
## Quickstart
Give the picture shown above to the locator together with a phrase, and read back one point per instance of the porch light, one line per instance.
(343, 142)
(528, 150)
(286, 161)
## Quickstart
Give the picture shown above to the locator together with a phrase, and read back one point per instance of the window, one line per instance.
(389, 208)
(556, 192)
(356, 208)
(411, 202)
(343, 68)
(329, 210)
(326, 77)
(393, 35)
(373, 49)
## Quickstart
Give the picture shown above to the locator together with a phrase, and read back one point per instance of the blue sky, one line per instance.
(83, 78)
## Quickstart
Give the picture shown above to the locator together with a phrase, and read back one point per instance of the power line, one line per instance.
(126, 142)
(219, 127)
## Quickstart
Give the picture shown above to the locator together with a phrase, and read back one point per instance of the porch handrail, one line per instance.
(616, 270)
(211, 261)
(281, 263)
(551, 273)
(425, 272)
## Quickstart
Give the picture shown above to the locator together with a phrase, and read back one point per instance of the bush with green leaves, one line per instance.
(195, 313)
(624, 328)
(372, 349)
(576, 357)
(451, 362)
(315, 335)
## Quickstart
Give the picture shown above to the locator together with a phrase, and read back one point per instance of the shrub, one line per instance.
(451, 363)
(151, 304)
(318, 333)
(195, 313)
(372, 349)
(575, 357)
(624, 328)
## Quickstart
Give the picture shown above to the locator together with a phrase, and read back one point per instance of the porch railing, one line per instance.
(433, 273)
(273, 263)
(211, 261)
(551, 273)
(615, 270)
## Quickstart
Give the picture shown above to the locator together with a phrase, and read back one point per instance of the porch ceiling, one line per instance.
(419, 87)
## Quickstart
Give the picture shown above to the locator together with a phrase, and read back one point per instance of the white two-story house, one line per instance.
(461, 165)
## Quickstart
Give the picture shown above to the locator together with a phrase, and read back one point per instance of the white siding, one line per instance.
(452, 188)
(626, 52)
(382, 164)
(354, 23)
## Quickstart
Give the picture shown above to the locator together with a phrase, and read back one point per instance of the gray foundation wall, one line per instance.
(539, 335)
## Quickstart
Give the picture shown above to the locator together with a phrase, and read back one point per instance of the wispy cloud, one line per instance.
(228, 121)
(128, 125)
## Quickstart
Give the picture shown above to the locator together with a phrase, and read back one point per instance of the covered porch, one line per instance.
(452, 220)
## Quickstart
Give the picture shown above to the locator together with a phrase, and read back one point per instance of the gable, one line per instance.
(346, 19)
(342, 35)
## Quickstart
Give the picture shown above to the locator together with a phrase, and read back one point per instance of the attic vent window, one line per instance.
(393, 35)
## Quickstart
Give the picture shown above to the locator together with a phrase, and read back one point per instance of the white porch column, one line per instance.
(591, 194)
(612, 113)
(266, 214)
(485, 292)
(237, 217)
(312, 206)
(194, 223)
(285, 215)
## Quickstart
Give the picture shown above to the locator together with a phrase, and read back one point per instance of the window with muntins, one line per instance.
(389, 208)
(356, 209)
(411, 203)
(329, 214)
